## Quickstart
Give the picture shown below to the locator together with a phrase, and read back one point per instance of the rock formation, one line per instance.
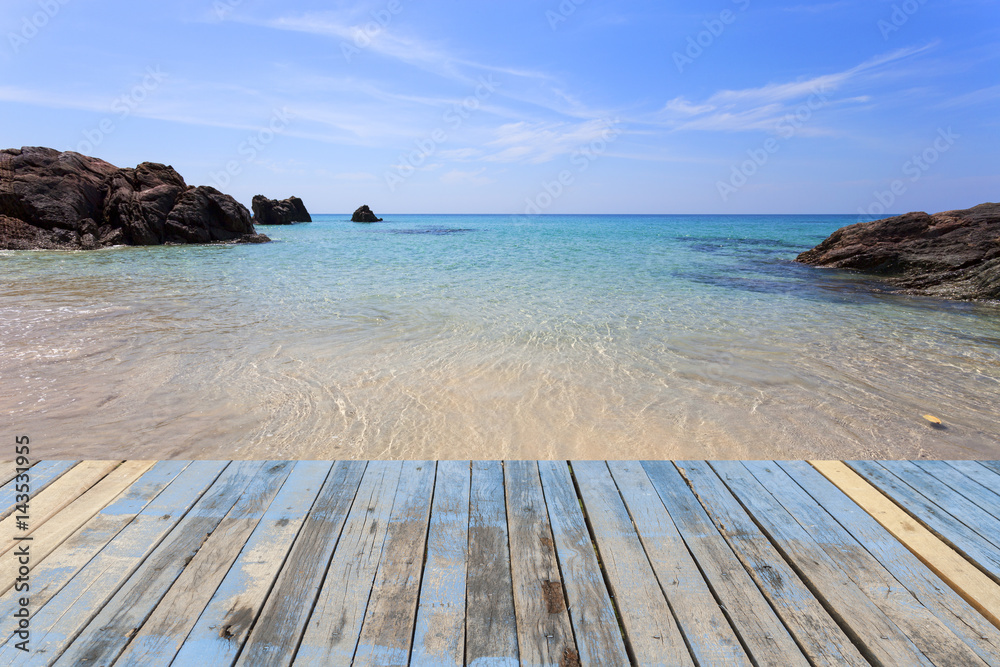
(364, 214)
(278, 212)
(53, 200)
(953, 254)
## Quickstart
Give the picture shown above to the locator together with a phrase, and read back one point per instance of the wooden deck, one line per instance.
(492, 564)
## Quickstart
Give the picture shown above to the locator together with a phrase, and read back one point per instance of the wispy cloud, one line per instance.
(762, 107)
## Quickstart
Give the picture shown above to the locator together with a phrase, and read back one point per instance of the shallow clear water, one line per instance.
(488, 337)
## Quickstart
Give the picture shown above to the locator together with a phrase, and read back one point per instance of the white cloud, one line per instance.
(764, 107)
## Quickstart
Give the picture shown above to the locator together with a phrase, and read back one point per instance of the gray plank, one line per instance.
(392, 611)
(157, 639)
(39, 476)
(706, 630)
(984, 477)
(491, 635)
(439, 638)
(652, 632)
(223, 627)
(763, 634)
(975, 506)
(818, 634)
(104, 637)
(290, 602)
(932, 637)
(942, 523)
(963, 620)
(331, 635)
(48, 576)
(544, 632)
(59, 620)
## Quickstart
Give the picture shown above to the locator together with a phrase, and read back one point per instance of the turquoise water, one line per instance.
(490, 336)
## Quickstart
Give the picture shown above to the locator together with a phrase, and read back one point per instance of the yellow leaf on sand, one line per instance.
(932, 419)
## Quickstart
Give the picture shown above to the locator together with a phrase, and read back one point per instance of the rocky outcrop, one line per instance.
(54, 200)
(278, 212)
(364, 214)
(953, 254)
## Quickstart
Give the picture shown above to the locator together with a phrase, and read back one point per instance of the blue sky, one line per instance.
(578, 106)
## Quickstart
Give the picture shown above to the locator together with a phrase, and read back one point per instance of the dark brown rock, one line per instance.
(364, 214)
(953, 254)
(279, 212)
(53, 200)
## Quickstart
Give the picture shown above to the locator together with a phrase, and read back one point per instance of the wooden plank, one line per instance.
(220, 631)
(963, 620)
(331, 635)
(58, 528)
(163, 632)
(927, 632)
(965, 540)
(8, 470)
(71, 556)
(649, 624)
(968, 581)
(40, 476)
(491, 635)
(57, 495)
(760, 630)
(817, 633)
(57, 622)
(392, 611)
(979, 473)
(544, 632)
(707, 631)
(977, 507)
(439, 638)
(972, 489)
(107, 633)
(879, 639)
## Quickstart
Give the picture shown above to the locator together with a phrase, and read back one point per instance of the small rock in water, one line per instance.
(365, 214)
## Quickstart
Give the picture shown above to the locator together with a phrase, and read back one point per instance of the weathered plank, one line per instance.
(770, 490)
(760, 630)
(968, 581)
(544, 633)
(163, 632)
(287, 609)
(965, 540)
(970, 488)
(104, 637)
(8, 470)
(332, 633)
(439, 638)
(72, 555)
(67, 521)
(491, 629)
(389, 620)
(983, 476)
(61, 618)
(944, 486)
(708, 634)
(39, 477)
(649, 624)
(220, 631)
(817, 633)
(963, 620)
(57, 495)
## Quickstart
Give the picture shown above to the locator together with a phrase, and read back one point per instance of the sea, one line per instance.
(492, 336)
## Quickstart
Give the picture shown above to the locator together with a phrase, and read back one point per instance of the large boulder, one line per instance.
(364, 214)
(54, 200)
(953, 254)
(278, 212)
